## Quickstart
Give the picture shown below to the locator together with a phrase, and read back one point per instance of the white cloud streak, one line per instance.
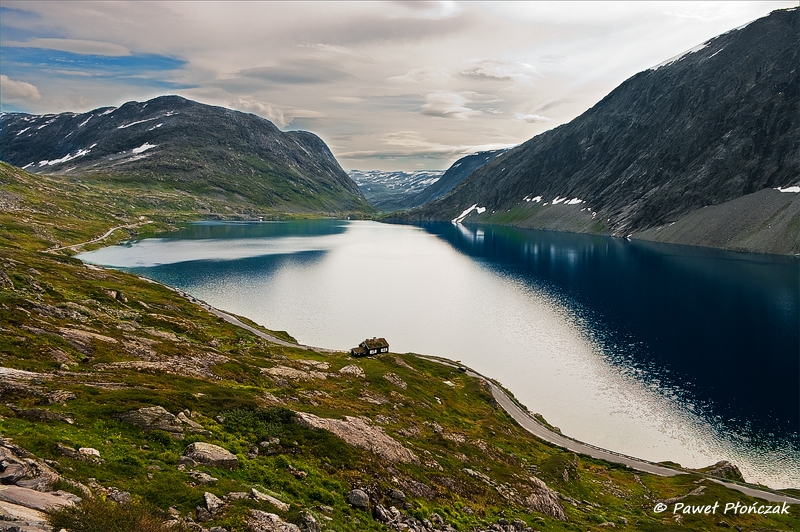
(18, 90)
(356, 73)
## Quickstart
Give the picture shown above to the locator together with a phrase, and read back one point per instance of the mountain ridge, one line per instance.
(705, 128)
(187, 145)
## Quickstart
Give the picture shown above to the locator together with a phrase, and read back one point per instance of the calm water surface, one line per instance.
(657, 351)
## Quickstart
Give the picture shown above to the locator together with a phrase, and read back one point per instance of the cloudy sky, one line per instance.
(388, 85)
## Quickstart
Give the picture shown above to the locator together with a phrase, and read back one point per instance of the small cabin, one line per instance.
(370, 347)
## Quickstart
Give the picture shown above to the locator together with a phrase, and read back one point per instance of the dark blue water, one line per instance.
(659, 351)
(723, 326)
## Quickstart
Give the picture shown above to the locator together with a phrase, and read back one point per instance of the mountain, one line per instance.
(175, 143)
(390, 191)
(155, 412)
(718, 127)
(458, 172)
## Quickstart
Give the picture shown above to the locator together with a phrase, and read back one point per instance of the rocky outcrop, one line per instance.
(19, 467)
(277, 503)
(726, 470)
(396, 520)
(544, 500)
(717, 124)
(358, 499)
(211, 455)
(294, 374)
(25, 493)
(194, 143)
(395, 379)
(152, 418)
(352, 370)
(359, 432)
(260, 521)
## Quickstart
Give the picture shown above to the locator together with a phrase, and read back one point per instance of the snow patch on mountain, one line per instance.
(144, 147)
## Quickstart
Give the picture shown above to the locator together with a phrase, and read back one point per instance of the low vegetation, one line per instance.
(82, 347)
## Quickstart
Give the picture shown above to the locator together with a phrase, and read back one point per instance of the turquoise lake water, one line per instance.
(658, 351)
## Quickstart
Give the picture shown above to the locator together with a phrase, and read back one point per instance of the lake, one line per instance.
(658, 351)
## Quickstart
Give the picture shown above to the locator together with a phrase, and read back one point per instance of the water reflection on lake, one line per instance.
(662, 352)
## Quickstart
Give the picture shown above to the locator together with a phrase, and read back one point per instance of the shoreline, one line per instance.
(518, 413)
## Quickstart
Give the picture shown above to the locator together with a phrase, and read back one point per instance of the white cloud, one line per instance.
(447, 105)
(532, 119)
(18, 90)
(516, 71)
(426, 74)
(76, 46)
(264, 110)
(359, 71)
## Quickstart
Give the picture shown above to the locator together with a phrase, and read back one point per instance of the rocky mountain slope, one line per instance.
(458, 172)
(712, 126)
(390, 190)
(170, 143)
(128, 406)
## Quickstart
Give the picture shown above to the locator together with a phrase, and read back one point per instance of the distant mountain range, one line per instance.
(703, 149)
(171, 142)
(391, 190)
(458, 172)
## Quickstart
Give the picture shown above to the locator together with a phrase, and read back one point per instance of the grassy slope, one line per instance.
(212, 368)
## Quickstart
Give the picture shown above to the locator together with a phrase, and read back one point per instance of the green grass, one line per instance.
(49, 294)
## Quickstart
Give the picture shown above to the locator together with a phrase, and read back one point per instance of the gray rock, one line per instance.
(203, 514)
(188, 462)
(155, 418)
(259, 521)
(14, 472)
(211, 455)
(277, 503)
(308, 523)
(37, 500)
(725, 469)
(381, 514)
(119, 496)
(213, 503)
(396, 496)
(202, 478)
(360, 432)
(544, 500)
(358, 499)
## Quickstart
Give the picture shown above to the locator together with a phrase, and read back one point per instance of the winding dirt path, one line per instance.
(99, 238)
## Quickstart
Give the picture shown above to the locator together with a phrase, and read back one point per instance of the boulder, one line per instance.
(213, 503)
(308, 523)
(202, 478)
(725, 469)
(36, 500)
(277, 503)
(396, 496)
(211, 455)
(118, 496)
(358, 499)
(152, 418)
(544, 500)
(259, 521)
(359, 432)
(395, 379)
(353, 370)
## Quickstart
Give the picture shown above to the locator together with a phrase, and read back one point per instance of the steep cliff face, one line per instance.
(458, 172)
(186, 145)
(716, 124)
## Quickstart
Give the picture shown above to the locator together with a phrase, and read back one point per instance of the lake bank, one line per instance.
(478, 306)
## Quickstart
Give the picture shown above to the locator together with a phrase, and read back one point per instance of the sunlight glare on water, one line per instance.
(367, 279)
